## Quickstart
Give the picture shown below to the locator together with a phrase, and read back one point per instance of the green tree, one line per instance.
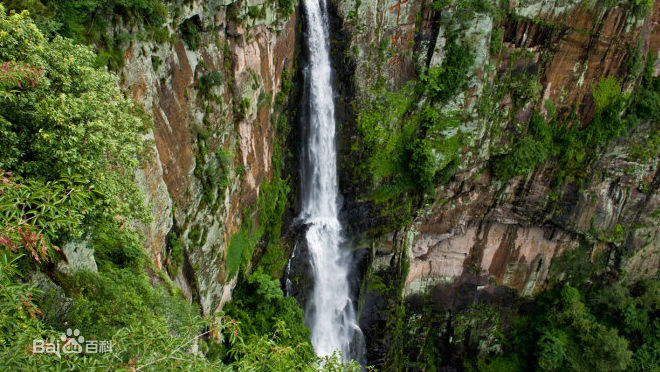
(551, 352)
(63, 118)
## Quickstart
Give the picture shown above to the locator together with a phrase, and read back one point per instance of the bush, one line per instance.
(607, 92)
(527, 154)
(190, 34)
(210, 80)
(551, 352)
(75, 122)
(240, 245)
(175, 254)
(96, 297)
(444, 82)
(259, 304)
(285, 7)
(422, 164)
(87, 21)
(118, 248)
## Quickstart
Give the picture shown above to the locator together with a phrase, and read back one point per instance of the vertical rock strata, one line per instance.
(216, 96)
(478, 229)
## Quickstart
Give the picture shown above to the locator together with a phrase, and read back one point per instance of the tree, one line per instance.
(551, 352)
(63, 119)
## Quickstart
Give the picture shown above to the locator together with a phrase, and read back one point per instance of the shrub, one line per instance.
(607, 92)
(210, 80)
(240, 248)
(34, 215)
(86, 21)
(175, 246)
(190, 34)
(259, 305)
(527, 154)
(285, 7)
(75, 122)
(444, 82)
(422, 164)
(119, 248)
(551, 352)
(96, 295)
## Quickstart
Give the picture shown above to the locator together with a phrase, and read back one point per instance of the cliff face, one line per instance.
(478, 232)
(211, 92)
(509, 232)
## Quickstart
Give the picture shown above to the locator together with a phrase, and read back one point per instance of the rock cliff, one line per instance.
(511, 230)
(477, 232)
(211, 91)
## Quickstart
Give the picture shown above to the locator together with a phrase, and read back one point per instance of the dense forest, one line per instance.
(83, 245)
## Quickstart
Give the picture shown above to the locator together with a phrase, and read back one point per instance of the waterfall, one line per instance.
(331, 312)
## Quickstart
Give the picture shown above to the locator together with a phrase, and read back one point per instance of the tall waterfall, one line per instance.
(331, 314)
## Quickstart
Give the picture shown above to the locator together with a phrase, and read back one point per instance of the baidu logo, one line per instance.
(71, 342)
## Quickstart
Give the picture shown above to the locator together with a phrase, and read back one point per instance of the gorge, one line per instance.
(459, 185)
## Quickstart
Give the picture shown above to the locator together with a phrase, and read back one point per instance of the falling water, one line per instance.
(331, 314)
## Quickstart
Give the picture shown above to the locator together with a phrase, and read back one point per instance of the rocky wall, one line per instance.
(508, 233)
(211, 91)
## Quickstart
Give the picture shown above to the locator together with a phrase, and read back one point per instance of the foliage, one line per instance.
(461, 10)
(611, 328)
(152, 330)
(175, 255)
(259, 304)
(73, 124)
(271, 203)
(606, 92)
(405, 150)
(286, 7)
(273, 334)
(117, 249)
(551, 353)
(94, 295)
(422, 163)
(523, 89)
(526, 155)
(18, 313)
(190, 34)
(16, 76)
(496, 42)
(210, 80)
(641, 8)
(646, 100)
(407, 147)
(33, 214)
(445, 81)
(89, 21)
(240, 246)
(566, 141)
(574, 144)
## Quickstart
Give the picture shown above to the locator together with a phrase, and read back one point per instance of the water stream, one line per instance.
(331, 313)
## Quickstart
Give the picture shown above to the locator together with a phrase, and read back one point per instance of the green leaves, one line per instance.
(607, 92)
(551, 352)
(444, 82)
(33, 214)
(72, 130)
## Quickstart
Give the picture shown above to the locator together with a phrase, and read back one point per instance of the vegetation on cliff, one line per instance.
(409, 143)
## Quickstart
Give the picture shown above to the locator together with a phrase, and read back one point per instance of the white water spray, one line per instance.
(331, 316)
